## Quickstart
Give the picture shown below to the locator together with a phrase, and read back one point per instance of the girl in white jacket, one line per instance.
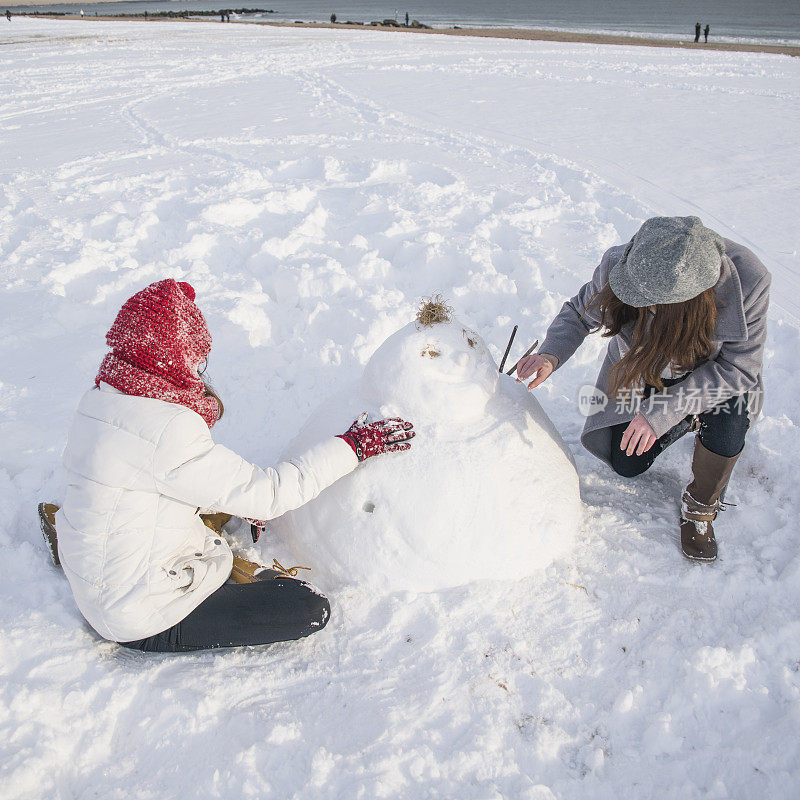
(144, 569)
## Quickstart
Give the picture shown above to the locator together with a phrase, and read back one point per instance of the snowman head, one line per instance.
(437, 373)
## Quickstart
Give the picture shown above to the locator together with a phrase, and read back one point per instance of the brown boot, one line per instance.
(47, 522)
(245, 571)
(215, 521)
(701, 500)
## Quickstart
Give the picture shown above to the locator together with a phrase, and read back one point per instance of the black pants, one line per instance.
(267, 611)
(722, 431)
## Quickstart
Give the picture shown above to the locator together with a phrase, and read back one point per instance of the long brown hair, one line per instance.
(211, 393)
(209, 390)
(677, 333)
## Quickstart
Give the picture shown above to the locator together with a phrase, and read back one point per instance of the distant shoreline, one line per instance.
(540, 35)
(527, 34)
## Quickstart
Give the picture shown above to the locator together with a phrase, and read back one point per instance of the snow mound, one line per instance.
(488, 490)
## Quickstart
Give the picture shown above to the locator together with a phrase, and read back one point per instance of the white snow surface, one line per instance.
(488, 490)
(313, 185)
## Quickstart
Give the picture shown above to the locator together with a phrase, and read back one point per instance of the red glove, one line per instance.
(372, 438)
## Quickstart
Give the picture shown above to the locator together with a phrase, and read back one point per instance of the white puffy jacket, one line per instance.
(137, 555)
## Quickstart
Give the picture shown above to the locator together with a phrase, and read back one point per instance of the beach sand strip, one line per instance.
(529, 34)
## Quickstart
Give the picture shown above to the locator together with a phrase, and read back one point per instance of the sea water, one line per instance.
(730, 20)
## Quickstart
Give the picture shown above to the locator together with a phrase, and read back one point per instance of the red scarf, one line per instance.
(131, 380)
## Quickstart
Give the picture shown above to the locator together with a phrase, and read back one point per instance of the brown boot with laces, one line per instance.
(245, 571)
(701, 502)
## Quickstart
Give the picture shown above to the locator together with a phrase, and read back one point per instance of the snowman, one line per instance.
(488, 490)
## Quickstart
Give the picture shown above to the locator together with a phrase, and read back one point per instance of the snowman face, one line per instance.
(437, 374)
(455, 360)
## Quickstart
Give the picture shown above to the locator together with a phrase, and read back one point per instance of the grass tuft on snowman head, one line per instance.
(433, 311)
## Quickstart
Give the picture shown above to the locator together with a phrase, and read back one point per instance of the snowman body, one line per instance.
(488, 489)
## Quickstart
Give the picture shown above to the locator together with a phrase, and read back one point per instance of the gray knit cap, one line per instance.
(669, 260)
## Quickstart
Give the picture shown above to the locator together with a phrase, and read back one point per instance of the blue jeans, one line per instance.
(722, 431)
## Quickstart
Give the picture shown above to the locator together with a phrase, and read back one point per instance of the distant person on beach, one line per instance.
(8, 15)
(406, 19)
(333, 18)
(697, 28)
(706, 32)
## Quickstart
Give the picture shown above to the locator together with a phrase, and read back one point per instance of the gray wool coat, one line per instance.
(733, 368)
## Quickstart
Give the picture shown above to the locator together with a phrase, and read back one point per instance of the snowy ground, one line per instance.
(313, 185)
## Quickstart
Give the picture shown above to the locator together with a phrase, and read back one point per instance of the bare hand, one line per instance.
(639, 436)
(536, 365)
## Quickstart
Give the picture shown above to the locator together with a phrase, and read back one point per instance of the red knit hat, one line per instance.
(158, 341)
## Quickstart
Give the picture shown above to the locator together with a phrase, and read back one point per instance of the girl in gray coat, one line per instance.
(686, 312)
